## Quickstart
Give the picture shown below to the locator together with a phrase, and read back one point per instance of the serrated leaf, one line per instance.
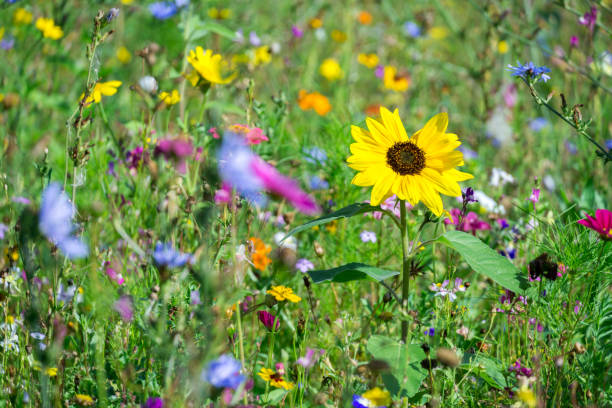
(485, 260)
(348, 211)
(406, 373)
(351, 272)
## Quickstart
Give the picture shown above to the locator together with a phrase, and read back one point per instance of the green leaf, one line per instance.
(350, 272)
(348, 211)
(406, 373)
(485, 261)
(486, 368)
(276, 396)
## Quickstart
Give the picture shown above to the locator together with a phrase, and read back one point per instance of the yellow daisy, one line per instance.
(417, 168)
(378, 397)
(208, 66)
(275, 379)
(49, 29)
(170, 98)
(281, 293)
(101, 88)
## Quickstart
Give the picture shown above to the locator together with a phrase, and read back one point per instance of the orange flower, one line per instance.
(315, 101)
(364, 18)
(260, 254)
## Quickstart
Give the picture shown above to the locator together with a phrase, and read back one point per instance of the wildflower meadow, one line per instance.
(277, 203)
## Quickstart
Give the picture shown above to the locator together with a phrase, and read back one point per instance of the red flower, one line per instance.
(601, 223)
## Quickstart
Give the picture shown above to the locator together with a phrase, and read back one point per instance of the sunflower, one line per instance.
(417, 168)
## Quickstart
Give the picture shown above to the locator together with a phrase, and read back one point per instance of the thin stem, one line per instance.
(405, 267)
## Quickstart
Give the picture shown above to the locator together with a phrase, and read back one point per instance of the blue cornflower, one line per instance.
(163, 10)
(530, 70)
(315, 155)
(538, 124)
(430, 332)
(317, 183)
(360, 402)
(112, 14)
(55, 222)
(181, 3)
(609, 144)
(7, 43)
(412, 29)
(165, 255)
(224, 372)
(235, 167)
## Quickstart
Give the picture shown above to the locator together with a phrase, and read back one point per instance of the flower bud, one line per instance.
(447, 357)
(318, 249)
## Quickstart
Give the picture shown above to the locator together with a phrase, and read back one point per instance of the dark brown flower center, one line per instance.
(406, 158)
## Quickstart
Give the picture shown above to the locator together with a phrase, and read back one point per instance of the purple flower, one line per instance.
(570, 147)
(538, 124)
(125, 307)
(224, 372)
(181, 3)
(315, 155)
(309, 358)
(379, 71)
(154, 402)
(609, 144)
(367, 236)
(194, 298)
(112, 13)
(430, 332)
(361, 402)
(529, 71)
(577, 307)
(589, 18)
(134, 157)
(111, 168)
(163, 10)
(166, 256)
(535, 196)
(254, 39)
(55, 222)
(176, 150)
(297, 33)
(268, 320)
(7, 43)
(468, 196)
(304, 265)
(574, 42)
(3, 229)
(503, 223)
(317, 183)
(21, 200)
(412, 29)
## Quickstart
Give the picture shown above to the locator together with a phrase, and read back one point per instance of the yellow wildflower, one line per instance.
(51, 372)
(338, 36)
(1, 32)
(208, 66)
(527, 396)
(502, 47)
(127, 1)
(331, 70)
(263, 55)
(101, 88)
(368, 60)
(378, 397)
(438, 33)
(364, 18)
(315, 101)
(84, 400)
(1, 97)
(275, 379)
(281, 293)
(22, 16)
(416, 168)
(316, 23)
(123, 55)
(170, 98)
(395, 82)
(49, 29)
(219, 14)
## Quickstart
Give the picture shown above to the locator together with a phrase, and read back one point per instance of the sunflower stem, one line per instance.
(405, 267)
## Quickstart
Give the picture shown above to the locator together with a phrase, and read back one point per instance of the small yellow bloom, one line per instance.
(332, 227)
(502, 47)
(22, 16)
(263, 55)
(527, 396)
(281, 293)
(395, 82)
(127, 1)
(1, 97)
(438, 33)
(314, 100)
(369, 60)
(102, 88)
(51, 372)
(49, 29)
(170, 98)
(219, 14)
(10, 319)
(364, 18)
(338, 36)
(123, 55)
(274, 378)
(208, 66)
(316, 23)
(84, 400)
(378, 397)
(331, 70)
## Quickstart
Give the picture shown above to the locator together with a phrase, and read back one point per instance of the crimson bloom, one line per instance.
(601, 223)
(268, 320)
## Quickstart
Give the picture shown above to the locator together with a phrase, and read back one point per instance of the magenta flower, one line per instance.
(601, 223)
(268, 320)
(113, 275)
(469, 223)
(589, 19)
(510, 96)
(310, 358)
(574, 42)
(535, 195)
(276, 183)
(176, 150)
(224, 194)
(213, 132)
(253, 136)
(297, 33)
(134, 158)
(125, 307)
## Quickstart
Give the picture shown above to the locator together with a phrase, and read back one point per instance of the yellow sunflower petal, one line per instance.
(393, 123)
(458, 175)
(445, 185)
(379, 133)
(432, 129)
(382, 187)
(430, 198)
(368, 177)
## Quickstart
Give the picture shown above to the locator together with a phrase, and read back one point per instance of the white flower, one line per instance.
(500, 177)
(488, 203)
(290, 242)
(148, 84)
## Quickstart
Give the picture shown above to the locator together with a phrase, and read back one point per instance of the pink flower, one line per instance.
(213, 132)
(574, 42)
(601, 223)
(125, 307)
(535, 195)
(268, 319)
(589, 18)
(469, 223)
(224, 194)
(253, 136)
(176, 150)
(310, 358)
(113, 275)
(276, 183)
(510, 95)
